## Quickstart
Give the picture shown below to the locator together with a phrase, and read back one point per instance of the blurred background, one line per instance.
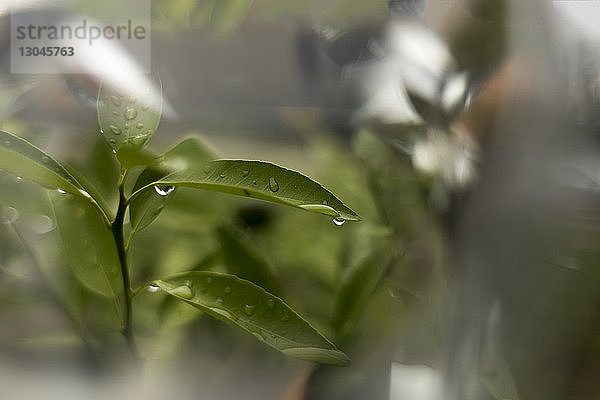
(465, 134)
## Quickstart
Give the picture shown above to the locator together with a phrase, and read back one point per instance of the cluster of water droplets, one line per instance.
(187, 292)
(126, 123)
(273, 187)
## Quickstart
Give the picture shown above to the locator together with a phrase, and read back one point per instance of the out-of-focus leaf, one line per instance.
(395, 188)
(358, 283)
(146, 207)
(249, 307)
(21, 158)
(259, 180)
(127, 120)
(89, 188)
(102, 170)
(501, 383)
(244, 262)
(227, 15)
(89, 247)
(130, 157)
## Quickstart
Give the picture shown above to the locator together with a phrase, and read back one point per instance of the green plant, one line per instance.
(97, 239)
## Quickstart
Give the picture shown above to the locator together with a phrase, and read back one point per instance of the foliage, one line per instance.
(94, 236)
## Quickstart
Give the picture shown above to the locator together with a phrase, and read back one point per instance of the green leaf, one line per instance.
(259, 180)
(21, 158)
(146, 207)
(245, 262)
(246, 306)
(89, 247)
(128, 120)
(130, 157)
(228, 15)
(358, 283)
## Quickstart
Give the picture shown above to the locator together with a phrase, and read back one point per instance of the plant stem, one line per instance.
(117, 231)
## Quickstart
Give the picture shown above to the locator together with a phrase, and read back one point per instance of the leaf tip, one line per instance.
(319, 355)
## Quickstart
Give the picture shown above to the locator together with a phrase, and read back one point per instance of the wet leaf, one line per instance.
(246, 306)
(23, 159)
(146, 207)
(127, 120)
(259, 180)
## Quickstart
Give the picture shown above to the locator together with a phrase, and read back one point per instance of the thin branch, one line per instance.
(117, 231)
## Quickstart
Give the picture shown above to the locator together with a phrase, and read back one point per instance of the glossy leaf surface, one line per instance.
(260, 180)
(146, 207)
(23, 159)
(246, 306)
(126, 120)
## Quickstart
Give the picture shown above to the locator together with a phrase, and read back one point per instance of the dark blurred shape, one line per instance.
(256, 217)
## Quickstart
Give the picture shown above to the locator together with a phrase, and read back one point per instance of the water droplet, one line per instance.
(183, 291)
(18, 179)
(208, 280)
(45, 160)
(339, 221)
(227, 290)
(224, 313)
(113, 141)
(8, 215)
(115, 129)
(258, 336)
(139, 125)
(245, 173)
(164, 190)
(130, 114)
(158, 210)
(153, 288)
(285, 317)
(249, 309)
(254, 182)
(222, 176)
(61, 191)
(102, 131)
(42, 224)
(271, 304)
(324, 202)
(273, 185)
(137, 140)
(115, 100)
